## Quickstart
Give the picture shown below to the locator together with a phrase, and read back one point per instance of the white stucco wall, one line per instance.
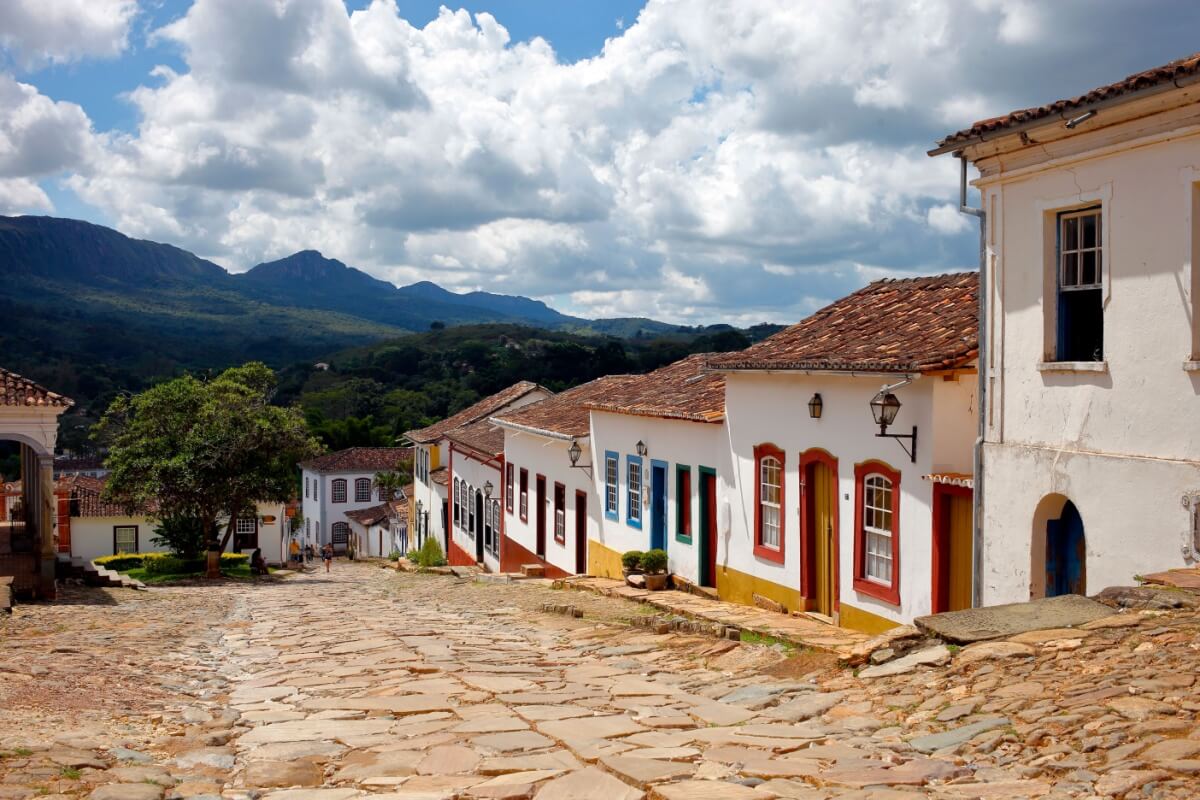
(464, 466)
(546, 456)
(773, 408)
(675, 442)
(1119, 444)
(92, 537)
(321, 508)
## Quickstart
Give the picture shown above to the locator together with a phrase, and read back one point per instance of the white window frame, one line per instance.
(772, 523)
(1079, 250)
(633, 489)
(611, 491)
(878, 540)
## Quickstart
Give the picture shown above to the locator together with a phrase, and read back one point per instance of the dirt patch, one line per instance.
(802, 664)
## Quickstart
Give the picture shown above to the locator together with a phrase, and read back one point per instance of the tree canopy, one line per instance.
(205, 449)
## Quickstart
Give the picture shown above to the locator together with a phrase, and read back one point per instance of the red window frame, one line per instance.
(761, 550)
(362, 491)
(508, 487)
(560, 513)
(338, 483)
(888, 593)
(524, 495)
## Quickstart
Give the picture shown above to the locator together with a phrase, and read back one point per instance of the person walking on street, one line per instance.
(327, 555)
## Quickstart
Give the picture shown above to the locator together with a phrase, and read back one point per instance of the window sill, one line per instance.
(768, 553)
(1073, 366)
(888, 594)
(684, 538)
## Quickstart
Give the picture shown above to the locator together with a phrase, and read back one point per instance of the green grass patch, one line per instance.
(766, 640)
(237, 572)
(70, 772)
(953, 648)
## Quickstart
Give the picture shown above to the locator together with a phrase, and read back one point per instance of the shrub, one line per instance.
(233, 559)
(165, 565)
(121, 562)
(632, 559)
(394, 555)
(412, 556)
(431, 554)
(654, 561)
(183, 536)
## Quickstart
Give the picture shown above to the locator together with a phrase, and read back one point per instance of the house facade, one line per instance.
(549, 510)
(656, 450)
(380, 529)
(89, 527)
(824, 514)
(337, 483)
(1091, 266)
(432, 512)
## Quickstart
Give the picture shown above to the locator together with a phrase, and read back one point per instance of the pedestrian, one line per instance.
(258, 565)
(327, 555)
(294, 551)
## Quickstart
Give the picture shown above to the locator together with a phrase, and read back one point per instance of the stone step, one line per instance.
(6, 582)
(533, 570)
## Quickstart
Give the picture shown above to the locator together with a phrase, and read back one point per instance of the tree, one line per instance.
(388, 484)
(205, 449)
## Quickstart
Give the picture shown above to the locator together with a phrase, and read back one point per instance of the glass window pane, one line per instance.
(1070, 274)
(1070, 234)
(1089, 230)
(1088, 272)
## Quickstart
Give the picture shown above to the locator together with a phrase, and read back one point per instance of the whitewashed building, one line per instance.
(549, 506)
(479, 463)
(657, 444)
(1092, 339)
(380, 529)
(337, 483)
(825, 514)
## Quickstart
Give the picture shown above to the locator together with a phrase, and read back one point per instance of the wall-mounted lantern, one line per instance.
(642, 450)
(487, 489)
(884, 407)
(815, 405)
(574, 452)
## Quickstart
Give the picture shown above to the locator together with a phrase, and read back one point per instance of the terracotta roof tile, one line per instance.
(85, 492)
(684, 390)
(1167, 73)
(907, 325)
(483, 437)
(440, 476)
(566, 414)
(18, 391)
(359, 459)
(369, 516)
(481, 410)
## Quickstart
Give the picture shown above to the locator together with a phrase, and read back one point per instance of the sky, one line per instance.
(694, 161)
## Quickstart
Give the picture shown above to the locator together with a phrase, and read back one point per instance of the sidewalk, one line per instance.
(798, 631)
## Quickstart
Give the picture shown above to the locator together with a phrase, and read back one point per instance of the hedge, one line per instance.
(164, 563)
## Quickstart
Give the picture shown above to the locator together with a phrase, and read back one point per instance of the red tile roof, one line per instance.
(483, 437)
(86, 500)
(566, 414)
(440, 476)
(685, 390)
(908, 325)
(18, 391)
(1139, 81)
(369, 516)
(481, 410)
(359, 459)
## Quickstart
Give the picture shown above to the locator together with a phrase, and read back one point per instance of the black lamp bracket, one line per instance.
(900, 437)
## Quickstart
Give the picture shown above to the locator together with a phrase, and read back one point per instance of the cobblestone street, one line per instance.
(367, 681)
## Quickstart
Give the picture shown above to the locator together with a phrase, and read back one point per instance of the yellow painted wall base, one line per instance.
(865, 621)
(603, 562)
(738, 587)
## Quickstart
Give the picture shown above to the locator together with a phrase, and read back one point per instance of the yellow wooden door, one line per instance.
(822, 488)
(961, 552)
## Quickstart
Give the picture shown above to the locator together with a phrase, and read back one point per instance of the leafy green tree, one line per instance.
(388, 484)
(207, 449)
(184, 536)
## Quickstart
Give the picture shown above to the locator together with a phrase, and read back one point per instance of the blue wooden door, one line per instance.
(1065, 554)
(658, 506)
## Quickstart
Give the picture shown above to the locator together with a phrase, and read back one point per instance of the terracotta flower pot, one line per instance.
(656, 582)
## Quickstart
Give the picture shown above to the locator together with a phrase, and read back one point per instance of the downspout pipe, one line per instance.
(977, 494)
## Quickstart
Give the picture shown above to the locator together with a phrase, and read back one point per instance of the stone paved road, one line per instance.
(368, 682)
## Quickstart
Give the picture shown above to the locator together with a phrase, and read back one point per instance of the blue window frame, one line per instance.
(633, 491)
(612, 470)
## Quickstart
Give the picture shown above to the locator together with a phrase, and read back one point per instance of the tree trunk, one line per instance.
(213, 564)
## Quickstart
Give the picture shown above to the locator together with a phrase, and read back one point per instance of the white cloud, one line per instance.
(716, 161)
(39, 32)
(19, 196)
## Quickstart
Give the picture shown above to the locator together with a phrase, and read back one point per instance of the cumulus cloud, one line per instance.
(39, 32)
(714, 162)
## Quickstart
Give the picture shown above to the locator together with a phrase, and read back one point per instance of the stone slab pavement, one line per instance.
(371, 684)
(998, 622)
(801, 631)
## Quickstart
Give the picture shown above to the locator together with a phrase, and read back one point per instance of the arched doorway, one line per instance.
(1066, 553)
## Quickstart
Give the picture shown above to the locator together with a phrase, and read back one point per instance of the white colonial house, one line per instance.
(1091, 269)
(337, 483)
(432, 512)
(826, 514)
(380, 529)
(549, 506)
(28, 550)
(657, 442)
(89, 527)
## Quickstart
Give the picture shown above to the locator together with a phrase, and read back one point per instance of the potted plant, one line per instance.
(654, 564)
(631, 563)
